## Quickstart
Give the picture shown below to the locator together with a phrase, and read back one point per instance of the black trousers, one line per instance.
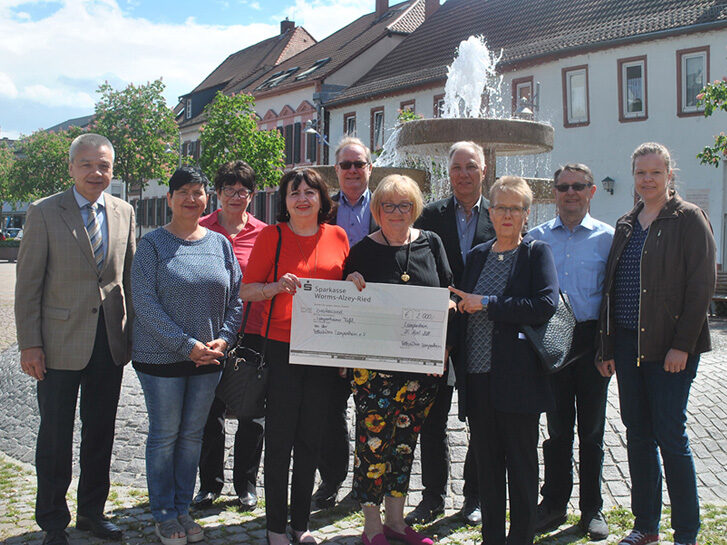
(506, 446)
(580, 395)
(333, 461)
(100, 385)
(247, 453)
(296, 406)
(435, 451)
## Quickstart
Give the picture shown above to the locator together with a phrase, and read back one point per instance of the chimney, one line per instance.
(430, 6)
(382, 6)
(286, 25)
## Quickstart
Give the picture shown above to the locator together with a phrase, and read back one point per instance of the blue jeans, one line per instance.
(654, 411)
(177, 408)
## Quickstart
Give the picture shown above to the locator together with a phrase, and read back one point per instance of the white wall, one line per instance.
(606, 144)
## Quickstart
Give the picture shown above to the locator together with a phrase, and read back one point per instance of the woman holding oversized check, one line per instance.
(507, 282)
(390, 407)
(297, 395)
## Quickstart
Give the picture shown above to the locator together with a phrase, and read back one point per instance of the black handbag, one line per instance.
(552, 341)
(244, 381)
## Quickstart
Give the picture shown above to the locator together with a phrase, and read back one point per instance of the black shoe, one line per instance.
(471, 512)
(248, 501)
(99, 526)
(548, 518)
(325, 496)
(425, 512)
(594, 524)
(55, 537)
(204, 499)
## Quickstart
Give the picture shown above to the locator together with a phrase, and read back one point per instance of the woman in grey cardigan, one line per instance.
(185, 284)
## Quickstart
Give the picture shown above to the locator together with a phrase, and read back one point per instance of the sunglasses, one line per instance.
(578, 186)
(346, 165)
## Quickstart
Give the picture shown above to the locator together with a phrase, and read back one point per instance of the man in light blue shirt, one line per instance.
(580, 247)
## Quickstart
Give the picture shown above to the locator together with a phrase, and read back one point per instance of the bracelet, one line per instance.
(262, 290)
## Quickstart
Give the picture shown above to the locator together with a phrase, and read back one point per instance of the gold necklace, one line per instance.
(404, 275)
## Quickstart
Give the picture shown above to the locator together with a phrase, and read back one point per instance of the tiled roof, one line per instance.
(525, 29)
(81, 122)
(253, 59)
(342, 46)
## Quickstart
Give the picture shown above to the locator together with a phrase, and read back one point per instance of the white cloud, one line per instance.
(61, 59)
(7, 87)
(324, 17)
(58, 96)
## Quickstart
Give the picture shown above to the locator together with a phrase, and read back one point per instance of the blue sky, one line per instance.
(55, 53)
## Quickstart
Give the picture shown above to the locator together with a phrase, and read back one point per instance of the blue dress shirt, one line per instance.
(100, 217)
(466, 227)
(354, 218)
(580, 259)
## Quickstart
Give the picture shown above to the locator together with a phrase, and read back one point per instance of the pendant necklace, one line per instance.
(404, 276)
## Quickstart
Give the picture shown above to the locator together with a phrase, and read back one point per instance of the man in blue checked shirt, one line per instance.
(580, 247)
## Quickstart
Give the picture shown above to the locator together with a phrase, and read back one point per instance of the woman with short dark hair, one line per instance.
(297, 394)
(185, 284)
(235, 186)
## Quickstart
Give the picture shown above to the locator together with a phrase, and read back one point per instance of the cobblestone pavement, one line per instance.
(18, 426)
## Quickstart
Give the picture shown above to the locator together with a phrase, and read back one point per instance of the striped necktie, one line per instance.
(94, 234)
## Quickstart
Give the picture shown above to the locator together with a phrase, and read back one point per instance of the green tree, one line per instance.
(7, 158)
(230, 133)
(714, 98)
(142, 129)
(40, 167)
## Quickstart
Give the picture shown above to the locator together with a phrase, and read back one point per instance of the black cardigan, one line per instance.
(531, 296)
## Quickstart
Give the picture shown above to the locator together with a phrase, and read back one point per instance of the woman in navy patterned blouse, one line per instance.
(185, 284)
(660, 279)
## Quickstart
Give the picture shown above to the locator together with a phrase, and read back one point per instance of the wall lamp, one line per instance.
(608, 184)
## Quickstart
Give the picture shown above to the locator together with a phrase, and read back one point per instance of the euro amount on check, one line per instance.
(387, 327)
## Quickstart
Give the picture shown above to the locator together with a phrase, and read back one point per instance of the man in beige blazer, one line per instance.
(73, 316)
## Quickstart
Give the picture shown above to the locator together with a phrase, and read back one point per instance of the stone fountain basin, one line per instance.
(502, 136)
(328, 173)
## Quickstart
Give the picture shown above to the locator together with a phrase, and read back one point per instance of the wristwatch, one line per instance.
(485, 301)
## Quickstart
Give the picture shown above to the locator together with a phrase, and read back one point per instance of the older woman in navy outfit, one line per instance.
(507, 282)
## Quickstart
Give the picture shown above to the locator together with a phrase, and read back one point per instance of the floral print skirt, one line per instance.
(390, 410)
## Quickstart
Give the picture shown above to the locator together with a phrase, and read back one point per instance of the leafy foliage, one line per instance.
(7, 158)
(40, 167)
(407, 115)
(142, 129)
(231, 133)
(714, 97)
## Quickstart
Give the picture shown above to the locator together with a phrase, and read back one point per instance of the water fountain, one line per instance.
(421, 146)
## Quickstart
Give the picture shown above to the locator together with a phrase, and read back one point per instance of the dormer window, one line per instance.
(316, 65)
(188, 109)
(277, 78)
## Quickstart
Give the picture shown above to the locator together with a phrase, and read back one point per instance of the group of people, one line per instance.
(88, 300)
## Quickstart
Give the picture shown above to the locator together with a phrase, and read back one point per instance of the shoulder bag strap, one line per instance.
(272, 301)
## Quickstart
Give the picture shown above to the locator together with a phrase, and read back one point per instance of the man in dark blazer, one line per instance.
(461, 221)
(353, 214)
(73, 310)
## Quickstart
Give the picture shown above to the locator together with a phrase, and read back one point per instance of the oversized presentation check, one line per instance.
(388, 327)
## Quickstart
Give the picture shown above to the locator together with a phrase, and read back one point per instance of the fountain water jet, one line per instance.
(424, 143)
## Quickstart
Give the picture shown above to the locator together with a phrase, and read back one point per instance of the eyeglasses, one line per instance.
(578, 186)
(512, 210)
(243, 193)
(346, 165)
(402, 207)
